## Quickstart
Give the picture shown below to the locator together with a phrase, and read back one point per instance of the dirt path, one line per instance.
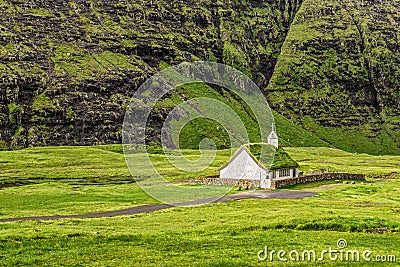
(260, 194)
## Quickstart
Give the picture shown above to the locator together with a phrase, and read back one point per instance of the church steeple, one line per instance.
(273, 138)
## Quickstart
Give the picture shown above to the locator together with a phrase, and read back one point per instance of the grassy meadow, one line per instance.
(65, 180)
(223, 234)
(322, 158)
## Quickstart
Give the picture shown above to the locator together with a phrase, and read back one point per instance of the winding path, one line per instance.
(260, 194)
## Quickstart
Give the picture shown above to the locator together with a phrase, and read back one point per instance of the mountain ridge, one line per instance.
(339, 71)
(68, 69)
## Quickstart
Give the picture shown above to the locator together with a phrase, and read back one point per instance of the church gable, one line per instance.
(243, 166)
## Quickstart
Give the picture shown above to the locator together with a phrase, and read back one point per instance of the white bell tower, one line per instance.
(273, 138)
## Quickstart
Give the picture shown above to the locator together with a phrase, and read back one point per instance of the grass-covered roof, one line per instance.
(264, 152)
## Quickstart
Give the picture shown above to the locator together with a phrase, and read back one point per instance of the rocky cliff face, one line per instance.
(339, 73)
(68, 68)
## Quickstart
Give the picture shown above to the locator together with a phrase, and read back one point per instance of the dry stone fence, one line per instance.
(317, 177)
(279, 183)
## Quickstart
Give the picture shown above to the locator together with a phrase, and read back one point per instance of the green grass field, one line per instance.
(102, 164)
(80, 180)
(322, 158)
(99, 164)
(225, 234)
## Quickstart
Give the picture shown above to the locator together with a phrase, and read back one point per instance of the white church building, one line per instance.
(261, 162)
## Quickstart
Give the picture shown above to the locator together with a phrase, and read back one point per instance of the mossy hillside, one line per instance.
(293, 135)
(338, 74)
(361, 139)
(194, 132)
(337, 66)
(87, 58)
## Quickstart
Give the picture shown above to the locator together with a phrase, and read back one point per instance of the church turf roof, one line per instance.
(281, 158)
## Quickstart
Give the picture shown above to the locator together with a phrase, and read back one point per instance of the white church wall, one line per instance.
(243, 167)
(265, 182)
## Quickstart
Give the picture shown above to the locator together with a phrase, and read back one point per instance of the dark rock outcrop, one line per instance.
(69, 68)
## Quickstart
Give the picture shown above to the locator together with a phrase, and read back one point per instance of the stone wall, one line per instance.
(246, 184)
(314, 178)
(279, 183)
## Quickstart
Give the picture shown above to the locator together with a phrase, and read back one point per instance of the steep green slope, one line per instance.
(293, 135)
(68, 68)
(339, 74)
(194, 131)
